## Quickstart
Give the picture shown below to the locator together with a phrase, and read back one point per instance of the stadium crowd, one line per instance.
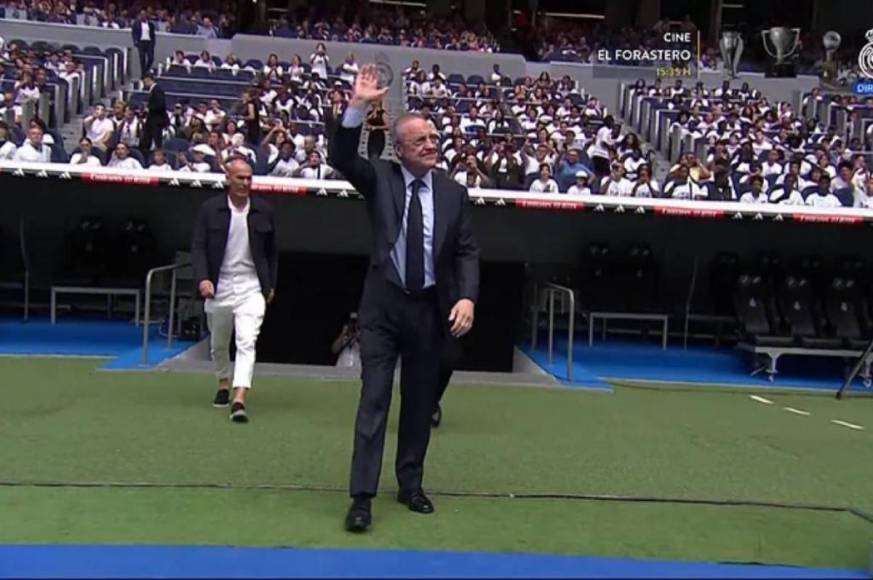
(534, 134)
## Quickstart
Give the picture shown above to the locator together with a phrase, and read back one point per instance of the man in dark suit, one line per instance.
(421, 287)
(235, 260)
(143, 32)
(155, 115)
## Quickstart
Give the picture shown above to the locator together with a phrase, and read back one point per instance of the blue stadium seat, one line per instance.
(475, 79)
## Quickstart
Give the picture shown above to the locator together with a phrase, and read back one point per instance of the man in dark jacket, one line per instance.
(235, 260)
(155, 116)
(143, 32)
(421, 287)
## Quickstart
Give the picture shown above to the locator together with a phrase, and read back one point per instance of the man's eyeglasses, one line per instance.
(421, 141)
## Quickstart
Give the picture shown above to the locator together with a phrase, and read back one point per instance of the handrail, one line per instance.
(148, 303)
(552, 288)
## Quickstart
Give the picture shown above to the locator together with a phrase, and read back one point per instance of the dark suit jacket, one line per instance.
(157, 107)
(136, 31)
(210, 239)
(456, 253)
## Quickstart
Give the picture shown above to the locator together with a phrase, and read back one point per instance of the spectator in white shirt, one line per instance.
(159, 162)
(205, 60)
(681, 186)
(314, 168)
(581, 185)
(496, 75)
(822, 197)
(349, 69)
(84, 156)
(772, 165)
(273, 70)
(843, 180)
(615, 185)
(319, 61)
(198, 164)
(214, 115)
(7, 147)
(757, 194)
(545, 183)
(599, 152)
(865, 199)
(9, 108)
(787, 193)
(33, 150)
(121, 158)
(99, 128)
(645, 186)
(130, 128)
(286, 165)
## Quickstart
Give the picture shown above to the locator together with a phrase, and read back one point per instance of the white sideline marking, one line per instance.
(846, 424)
(797, 411)
(761, 399)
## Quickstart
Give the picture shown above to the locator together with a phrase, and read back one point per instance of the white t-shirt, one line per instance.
(348, 72)
(91, 161)
(576, 190)
(612, 188)
(650, 189)
(323, 171)
(100, 129)
(815, 199)
(551, 186)
(319, 64)
(285, 168)
(602, 141)
(7, 150)
(684, 190)
(28, 152)
(126, 163)
(749, 197)
(163, 168)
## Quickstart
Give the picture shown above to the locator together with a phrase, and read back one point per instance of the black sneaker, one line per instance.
(222, 398)
(238, 413)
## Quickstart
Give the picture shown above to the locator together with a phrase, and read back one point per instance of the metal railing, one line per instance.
(551, 289)
(173, 268)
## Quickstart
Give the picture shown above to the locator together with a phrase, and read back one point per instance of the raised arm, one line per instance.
(343, 149)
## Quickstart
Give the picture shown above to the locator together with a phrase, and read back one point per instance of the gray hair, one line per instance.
(405, 117)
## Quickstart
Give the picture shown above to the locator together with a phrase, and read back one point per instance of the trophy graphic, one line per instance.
(386, 73)
(831, 42)
(784, 41)
(865, 57)
(731, 45)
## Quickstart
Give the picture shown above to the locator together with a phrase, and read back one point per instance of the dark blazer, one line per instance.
(157, 107)
(210, 239)
(456, 253)
(136, 31)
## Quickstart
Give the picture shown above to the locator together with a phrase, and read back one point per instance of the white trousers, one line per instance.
(242, 314)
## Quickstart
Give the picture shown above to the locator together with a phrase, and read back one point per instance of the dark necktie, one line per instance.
(415, 240)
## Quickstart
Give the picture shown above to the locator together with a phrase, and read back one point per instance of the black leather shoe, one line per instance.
(359, 517)
(416, 501)
(437, 417)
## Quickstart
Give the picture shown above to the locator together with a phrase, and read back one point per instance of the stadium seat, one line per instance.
(844, 306)
(757, 323)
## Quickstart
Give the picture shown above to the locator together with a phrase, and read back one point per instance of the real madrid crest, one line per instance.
(865, 57)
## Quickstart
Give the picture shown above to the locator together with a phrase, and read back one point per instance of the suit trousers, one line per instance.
(242, 315)
(146, 51)
(151, 133)
(394, 323)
